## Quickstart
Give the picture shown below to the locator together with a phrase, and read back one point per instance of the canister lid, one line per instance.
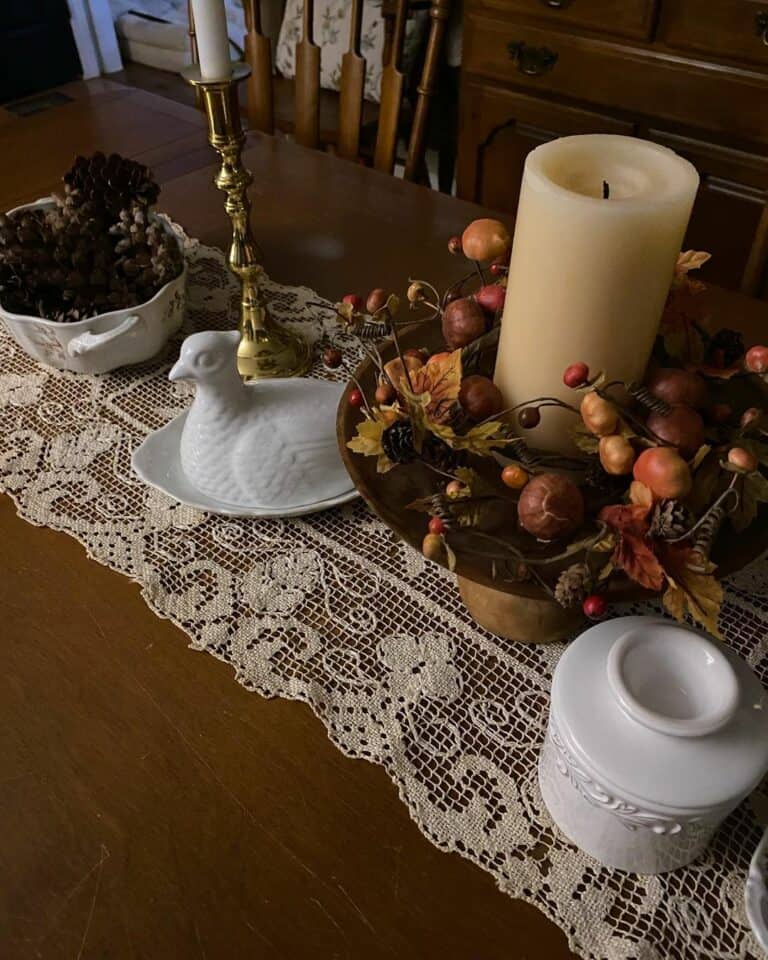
(661, 713)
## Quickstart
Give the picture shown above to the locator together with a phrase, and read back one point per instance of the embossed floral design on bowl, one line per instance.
(108, 340)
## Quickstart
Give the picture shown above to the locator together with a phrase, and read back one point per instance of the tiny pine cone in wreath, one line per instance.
(573, 584)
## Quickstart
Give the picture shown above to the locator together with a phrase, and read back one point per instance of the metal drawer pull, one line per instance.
(532, 61)
(761, 24)
(556, 4)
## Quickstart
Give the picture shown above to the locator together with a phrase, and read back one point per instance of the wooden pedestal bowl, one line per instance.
(516, 611)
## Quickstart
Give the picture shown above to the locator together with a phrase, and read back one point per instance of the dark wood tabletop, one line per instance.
(150, 806)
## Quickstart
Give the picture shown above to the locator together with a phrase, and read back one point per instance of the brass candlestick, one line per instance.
(265, 350)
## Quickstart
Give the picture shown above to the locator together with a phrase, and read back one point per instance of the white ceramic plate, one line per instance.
(756, 893)
(157, 463)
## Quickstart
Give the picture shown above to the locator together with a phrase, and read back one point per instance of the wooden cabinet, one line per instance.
(690, 75)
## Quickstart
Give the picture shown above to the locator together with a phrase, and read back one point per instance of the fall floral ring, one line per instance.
(662, 492)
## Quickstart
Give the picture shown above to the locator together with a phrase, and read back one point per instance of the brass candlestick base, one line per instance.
(265, 349)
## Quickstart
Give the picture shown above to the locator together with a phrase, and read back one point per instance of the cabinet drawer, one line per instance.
(736, 29)
(630, 18)
(633, 80)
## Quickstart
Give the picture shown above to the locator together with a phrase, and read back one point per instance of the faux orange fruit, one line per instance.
(616, 455)
(599, 415)
(485, 239)
(514, 477)
(664, 472)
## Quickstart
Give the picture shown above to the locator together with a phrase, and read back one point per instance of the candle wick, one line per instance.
(606, 190)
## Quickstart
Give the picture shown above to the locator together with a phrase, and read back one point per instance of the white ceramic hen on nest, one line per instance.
(266, 448)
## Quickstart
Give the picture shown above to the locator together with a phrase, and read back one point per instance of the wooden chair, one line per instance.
(261, 92)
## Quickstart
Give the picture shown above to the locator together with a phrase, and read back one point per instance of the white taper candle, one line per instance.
(212, 39)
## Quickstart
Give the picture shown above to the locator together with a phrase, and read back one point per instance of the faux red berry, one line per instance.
(356, 398)
(594, 606)
(491, 297)
(529, 417)
(756, 359)
(454, 246)
(357, 301)
(436, 525)
(332, 357)
(498, 268)
(576, 375)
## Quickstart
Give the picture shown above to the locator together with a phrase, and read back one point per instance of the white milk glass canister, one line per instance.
(656, 733)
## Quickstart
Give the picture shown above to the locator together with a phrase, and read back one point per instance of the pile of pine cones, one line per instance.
(94, 251)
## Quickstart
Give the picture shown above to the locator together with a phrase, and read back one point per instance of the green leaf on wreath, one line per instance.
(754, 491)
(477, 486)
(586, 442)
(481, 440)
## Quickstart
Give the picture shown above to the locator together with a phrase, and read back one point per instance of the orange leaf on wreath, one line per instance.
(694, 592)
(441, 379)
(633, 553)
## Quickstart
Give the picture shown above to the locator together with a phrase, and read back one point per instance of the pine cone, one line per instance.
(109, 183)
(573, 585)
(95, 249)
(604, 483)
(397, 442)
(671, 519)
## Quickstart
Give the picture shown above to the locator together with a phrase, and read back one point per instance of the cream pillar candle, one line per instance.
(212, 39)
(589, 276)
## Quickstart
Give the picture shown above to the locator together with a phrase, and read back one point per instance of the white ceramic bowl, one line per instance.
(108, 340)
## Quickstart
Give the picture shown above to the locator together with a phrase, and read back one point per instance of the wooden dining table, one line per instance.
(150, 806)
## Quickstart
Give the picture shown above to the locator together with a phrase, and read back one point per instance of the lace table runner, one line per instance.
(335, 611)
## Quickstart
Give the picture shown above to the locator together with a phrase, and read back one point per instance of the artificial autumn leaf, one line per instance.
(634, 556)
(622, 516)
(475, 484)
(368, 440)
(450, 556)
(586, 441)
(684, 311)
(395, 369)
(706, 477)
(688, 591)
(689, 260)
(483, 514)
(757, 448)
(481, 440)
(479, 356)
(633, 553)
(606, 570)
(422, 505)
(441, 379)
(345, 313)
(753, 492)
(606, 543)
